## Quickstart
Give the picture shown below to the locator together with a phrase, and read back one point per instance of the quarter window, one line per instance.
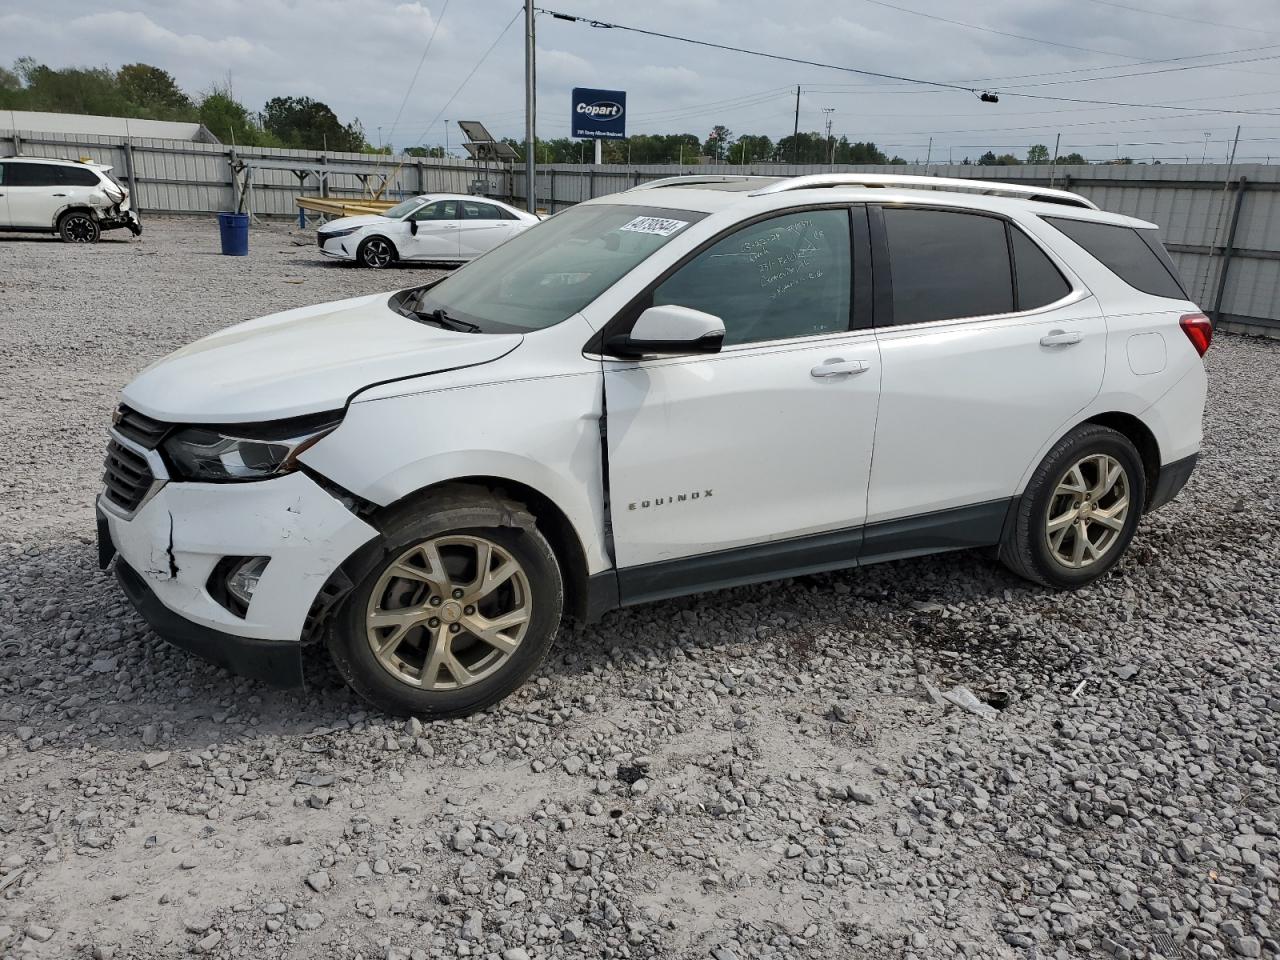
(1126, 254)
(76, 177)
(947, 265)
(1039, 282)
(774, 280)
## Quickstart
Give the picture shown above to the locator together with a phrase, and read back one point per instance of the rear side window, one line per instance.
(1126, 254)
(1037, 280)
(31, 175)
(480, 211)
(947, 265)
(77, 177)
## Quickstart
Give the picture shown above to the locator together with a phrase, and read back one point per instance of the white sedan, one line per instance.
(438, 227)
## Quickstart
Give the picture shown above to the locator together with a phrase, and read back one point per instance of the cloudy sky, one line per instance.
(359, 56)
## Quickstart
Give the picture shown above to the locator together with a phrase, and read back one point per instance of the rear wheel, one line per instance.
(1079, 512)
(459, 610)
(376, 252)
(78, 226)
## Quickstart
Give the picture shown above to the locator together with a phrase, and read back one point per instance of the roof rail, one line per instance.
(992, 187)
(691, 179)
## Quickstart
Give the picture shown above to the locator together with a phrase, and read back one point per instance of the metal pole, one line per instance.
(1222, 212)
(928, 156)
(598, 151)
(1241, 185)
(795, 133)
(530, 109)
(1053, 161)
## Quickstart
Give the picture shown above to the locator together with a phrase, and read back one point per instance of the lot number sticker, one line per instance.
(660, 226)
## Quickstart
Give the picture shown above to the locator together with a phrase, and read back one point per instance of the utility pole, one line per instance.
(831, 144)
(929, 155)
(1053, 161)
(795, 133)
(530, 109)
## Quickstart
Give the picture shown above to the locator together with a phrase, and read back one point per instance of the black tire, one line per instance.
(377, 253)
(78, 226)
(1026, 546)
(451, 511)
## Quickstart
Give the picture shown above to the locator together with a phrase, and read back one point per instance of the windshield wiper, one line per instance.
(442, 319)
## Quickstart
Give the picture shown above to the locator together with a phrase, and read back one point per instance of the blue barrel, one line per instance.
(234, 229)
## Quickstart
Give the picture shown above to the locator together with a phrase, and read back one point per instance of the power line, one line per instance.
(421, 60)
(484, 56)
(604, 24)
(1174, 16)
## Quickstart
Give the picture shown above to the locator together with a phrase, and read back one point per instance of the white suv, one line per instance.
(699, 383)
(76, 200)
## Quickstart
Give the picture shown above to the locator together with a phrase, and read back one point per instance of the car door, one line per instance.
(436, 234)
(31, 190)
(4, 200)
(989, 346)
(753, 462)
(483, 226)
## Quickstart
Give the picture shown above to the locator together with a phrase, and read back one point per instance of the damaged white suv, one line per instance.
(698, 383)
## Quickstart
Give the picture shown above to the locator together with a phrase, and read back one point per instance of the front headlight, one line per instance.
(255, 452)
(333, 234)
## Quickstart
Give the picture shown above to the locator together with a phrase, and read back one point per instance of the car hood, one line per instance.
(302, 361)
(347, 223)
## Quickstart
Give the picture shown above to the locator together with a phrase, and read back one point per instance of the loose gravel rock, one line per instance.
(762, 772)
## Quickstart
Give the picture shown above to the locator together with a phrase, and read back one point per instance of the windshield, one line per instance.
(403, 208)
(548, 273)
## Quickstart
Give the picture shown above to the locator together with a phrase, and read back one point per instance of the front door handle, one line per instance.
(59, 194)
(839, 367)
(1061, 338)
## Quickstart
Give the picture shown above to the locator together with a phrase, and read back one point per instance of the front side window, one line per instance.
(946, 265)
(440, 210)
(786, 277)
(403, 208)
(545, 275)
(1126, 254)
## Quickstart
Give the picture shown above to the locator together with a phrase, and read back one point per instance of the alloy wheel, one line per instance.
(78, 229)
(1087, 511)
(377, 253)
(449, 612)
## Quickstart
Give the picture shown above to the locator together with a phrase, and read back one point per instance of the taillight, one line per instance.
(1198, 330)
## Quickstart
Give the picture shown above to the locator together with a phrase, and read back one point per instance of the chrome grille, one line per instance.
(139, 428)
(128, 477)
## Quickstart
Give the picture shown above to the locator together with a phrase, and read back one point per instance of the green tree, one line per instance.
(310, 125)
(154, 91)
(229, 120)
(718, 141)
(1038, 153)
(1071, 158)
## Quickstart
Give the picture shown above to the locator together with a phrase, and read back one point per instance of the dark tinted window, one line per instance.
(30, 175)
(480, 211)
(1038, 280)
(1125, 254)
(947, 265)
(773, 280)
(76, 177)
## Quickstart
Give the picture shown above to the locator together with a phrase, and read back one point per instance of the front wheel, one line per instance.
(78, 226)
(376, 252)
(458, 611)
(1079, 512)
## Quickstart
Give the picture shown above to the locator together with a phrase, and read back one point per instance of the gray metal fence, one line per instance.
(1221, 225)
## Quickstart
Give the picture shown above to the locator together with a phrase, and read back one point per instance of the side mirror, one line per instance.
(669, 330)
(413, 227)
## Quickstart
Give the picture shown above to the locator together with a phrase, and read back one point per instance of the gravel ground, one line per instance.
(760, 772)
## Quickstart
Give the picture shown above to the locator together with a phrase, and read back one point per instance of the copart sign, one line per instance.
(599, 114)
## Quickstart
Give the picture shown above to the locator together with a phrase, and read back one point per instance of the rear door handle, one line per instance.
(838, 367)
(59, 194)
(1061, 338)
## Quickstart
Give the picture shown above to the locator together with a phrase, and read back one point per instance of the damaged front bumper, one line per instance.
(172, 552)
